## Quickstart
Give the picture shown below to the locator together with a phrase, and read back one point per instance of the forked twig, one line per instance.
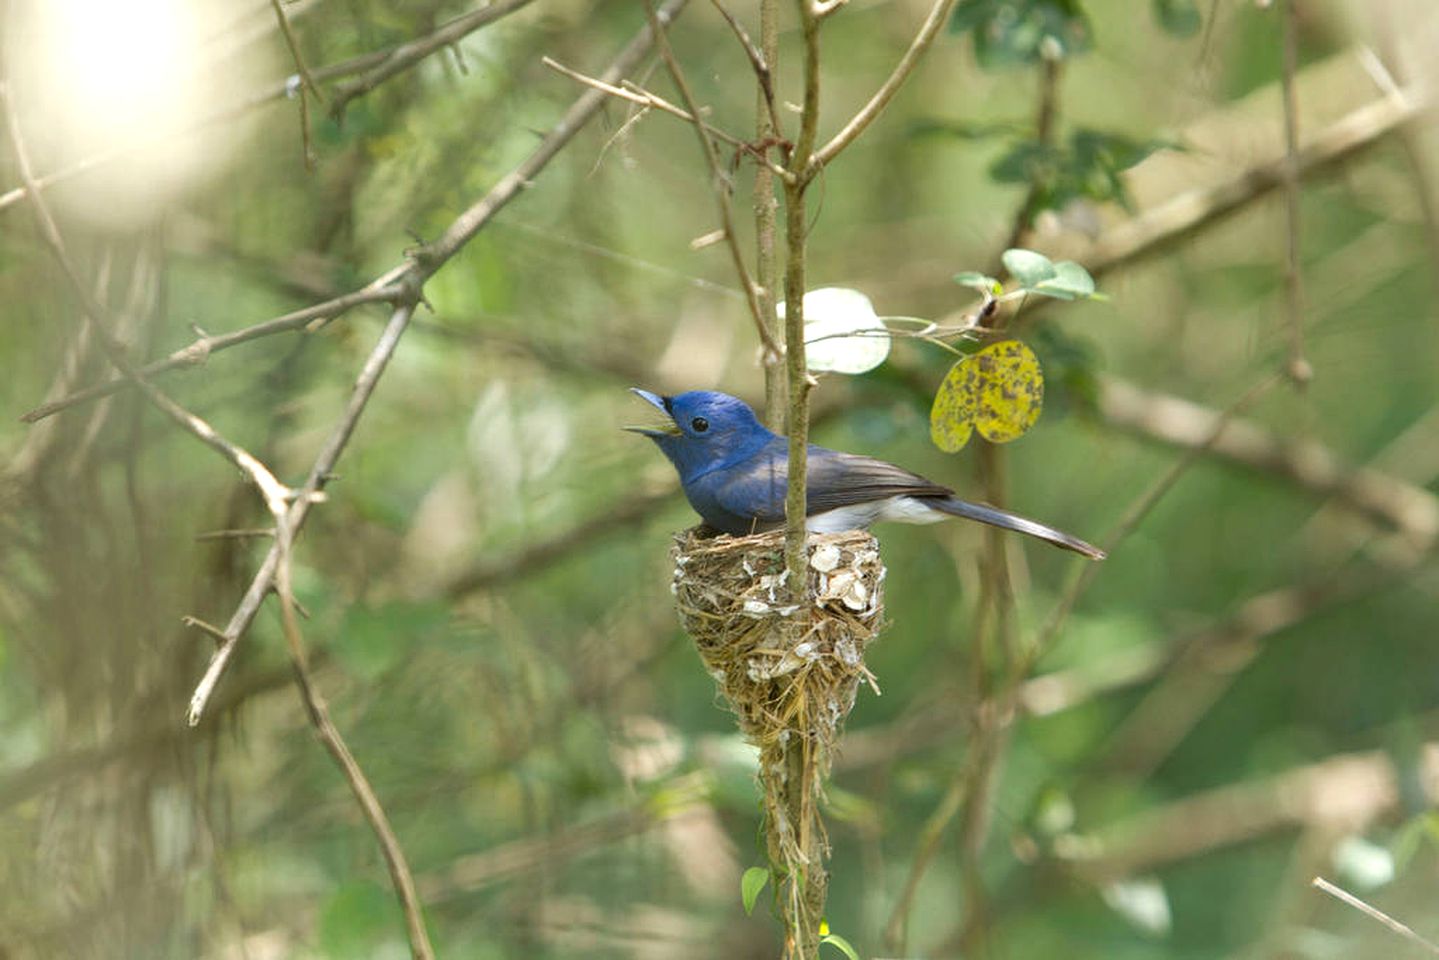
(938, 15)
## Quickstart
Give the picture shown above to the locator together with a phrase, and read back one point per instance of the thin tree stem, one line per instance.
(766, 215)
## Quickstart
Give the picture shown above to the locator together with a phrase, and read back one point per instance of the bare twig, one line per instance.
(1299, 369)
(406, 55)
(293, 43)
(938, 14)
(205, 627)
(248, 534)
(769, 125)
(645, 98)
(307, 88)
(805, 888)
(467, 224)
(1374, 913)
(720, 184)
(319, 475)
(206, 345)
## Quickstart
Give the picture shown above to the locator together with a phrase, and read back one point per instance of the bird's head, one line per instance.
(703, 429)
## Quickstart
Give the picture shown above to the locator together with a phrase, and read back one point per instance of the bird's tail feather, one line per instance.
(1009, 521)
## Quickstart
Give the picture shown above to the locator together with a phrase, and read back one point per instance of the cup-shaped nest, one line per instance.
(786, 667)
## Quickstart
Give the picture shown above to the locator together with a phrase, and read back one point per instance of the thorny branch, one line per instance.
(406, 55)
(938, 16)
(206, 345)
(639, 95)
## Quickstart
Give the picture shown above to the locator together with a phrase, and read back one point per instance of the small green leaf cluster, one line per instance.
(1088, 167)
(1036, 274)
(1014, 32)
(1011, 33)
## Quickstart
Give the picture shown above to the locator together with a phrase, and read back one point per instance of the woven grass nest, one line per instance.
(784, 668)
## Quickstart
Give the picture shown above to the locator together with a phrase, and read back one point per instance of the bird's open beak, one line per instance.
(665, 428)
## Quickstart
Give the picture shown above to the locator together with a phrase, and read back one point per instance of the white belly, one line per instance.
(861, 515)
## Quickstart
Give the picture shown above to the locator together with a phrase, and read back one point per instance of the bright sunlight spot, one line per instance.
(101, 78)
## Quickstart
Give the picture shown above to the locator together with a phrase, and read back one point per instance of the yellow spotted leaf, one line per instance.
(951, 418)
(998, 391)
(1010, 391)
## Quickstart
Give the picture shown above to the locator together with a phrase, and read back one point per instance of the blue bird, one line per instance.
(734, 473)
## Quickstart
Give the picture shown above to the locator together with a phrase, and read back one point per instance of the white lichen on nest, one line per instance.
(782, 665)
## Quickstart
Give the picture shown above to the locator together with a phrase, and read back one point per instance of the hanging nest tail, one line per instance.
(786, 669)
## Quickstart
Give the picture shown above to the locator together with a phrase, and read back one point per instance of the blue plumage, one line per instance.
(734, 473)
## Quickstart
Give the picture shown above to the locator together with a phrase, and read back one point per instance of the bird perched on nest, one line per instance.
(734, 473)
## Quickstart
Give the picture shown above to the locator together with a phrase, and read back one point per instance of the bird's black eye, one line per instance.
(700, 424)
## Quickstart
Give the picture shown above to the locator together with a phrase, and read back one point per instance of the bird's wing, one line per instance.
(844, 479)
(755, 489)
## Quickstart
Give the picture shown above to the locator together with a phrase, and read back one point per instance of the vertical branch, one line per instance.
(307, 88)
(797, 373)
(766, 215)
(1298, 368)
(809, 889)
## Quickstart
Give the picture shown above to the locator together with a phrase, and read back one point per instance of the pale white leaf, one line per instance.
(842, 333)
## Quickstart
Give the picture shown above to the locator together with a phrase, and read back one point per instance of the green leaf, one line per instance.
(1028, 267)
(1087, 167)
(751, 884)
(1178, 17)
(1027, 162)
(972, 278)
(1070, 282)
(835, 940)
